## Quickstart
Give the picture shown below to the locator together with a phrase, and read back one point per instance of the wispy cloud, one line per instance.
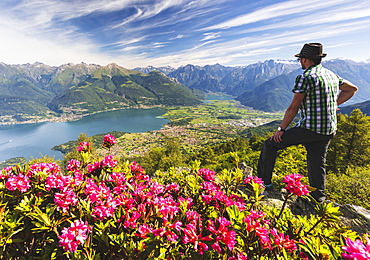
(179, 36)
(210, 36)
(276, 10)
(248, 47)
(337, 14)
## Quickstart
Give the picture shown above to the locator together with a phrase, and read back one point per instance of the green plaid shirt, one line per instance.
(318, 110)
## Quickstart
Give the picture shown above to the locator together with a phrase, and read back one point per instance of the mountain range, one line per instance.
(267, 85)
(33, 90)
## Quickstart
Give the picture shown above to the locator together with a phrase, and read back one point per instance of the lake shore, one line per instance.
(37, 139)
(68, 117)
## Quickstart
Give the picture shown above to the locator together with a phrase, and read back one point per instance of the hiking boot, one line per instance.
(269, 187)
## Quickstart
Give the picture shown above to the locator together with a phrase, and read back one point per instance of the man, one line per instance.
(317, 94)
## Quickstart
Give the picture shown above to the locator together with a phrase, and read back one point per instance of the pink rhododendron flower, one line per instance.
(6, 172)
(76, 180)
(93, 167)
(90, 186)
(84, 147)
(255, 220)
(356, 250)
(130, 219)
(263, 235)
(65, 199)
(156, 189)
(222, 233)
(191, 236)
(159, 232)
(237, 201)
(210, 187)
(168, 232)
(73, 165)
(168, 212)
(171, 236)
(172, 187)
(125, 201)
(294, 185)
(193, 217)
(216, 246)
(230, 200)
(97, 193)
(188, 201)
(63, 182)
(143, 230)
(303, 256)
(18, 182)
(253, 179)
(104, 209)
(283, 241)
(47, 168)
(117, 178)
(55, 180)
(108, 141)
(108, 162)
(136, 169)
(177, 225)
(74, 236)
(207, 199)
(213, 195)
(207, 174)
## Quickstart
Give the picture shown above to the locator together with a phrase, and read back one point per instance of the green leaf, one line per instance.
(40, 216)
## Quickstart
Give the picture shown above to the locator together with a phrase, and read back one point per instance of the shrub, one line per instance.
(351, 187)
(111, 210)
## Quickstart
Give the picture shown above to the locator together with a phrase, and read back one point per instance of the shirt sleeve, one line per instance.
(301, 85)
(341, 80)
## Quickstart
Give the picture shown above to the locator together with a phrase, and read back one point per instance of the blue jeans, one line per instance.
(316, 146)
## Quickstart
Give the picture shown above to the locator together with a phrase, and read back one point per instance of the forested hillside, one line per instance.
(37, 91)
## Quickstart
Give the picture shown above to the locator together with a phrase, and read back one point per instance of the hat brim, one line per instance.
(318, 56)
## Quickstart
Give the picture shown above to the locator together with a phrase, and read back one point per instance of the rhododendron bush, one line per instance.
(115, 210)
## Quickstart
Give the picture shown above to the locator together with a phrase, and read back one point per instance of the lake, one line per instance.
(35, 140)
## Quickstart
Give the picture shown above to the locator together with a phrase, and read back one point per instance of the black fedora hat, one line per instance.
(311, 51)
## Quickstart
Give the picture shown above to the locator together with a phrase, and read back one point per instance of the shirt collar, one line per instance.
(313, 66)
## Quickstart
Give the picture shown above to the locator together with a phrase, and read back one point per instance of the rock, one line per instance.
(356, 218)
(247, 170)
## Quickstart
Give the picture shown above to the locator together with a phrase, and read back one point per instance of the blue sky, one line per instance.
(139, 33)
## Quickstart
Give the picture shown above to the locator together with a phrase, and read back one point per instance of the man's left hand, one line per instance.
(277, 137)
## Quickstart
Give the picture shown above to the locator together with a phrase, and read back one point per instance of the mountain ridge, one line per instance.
(78, 89)
(254, 85)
